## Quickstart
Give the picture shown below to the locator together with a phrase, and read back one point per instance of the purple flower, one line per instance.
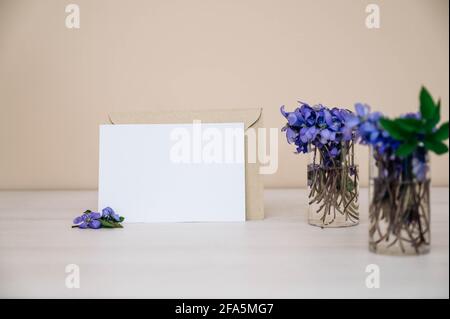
(347, 133)
(370, 132)
(375, 117)
(319, 126)
(351, 121)
(334, 152)
(283, 112)
(88, 220)
(302, 148)
(108, 213)
(362, 110)
(327, 135)
(291, 135)
(308, 114)
(295, 119)
(341, 114)
(334, 122)
(309, 135)
(321, 116)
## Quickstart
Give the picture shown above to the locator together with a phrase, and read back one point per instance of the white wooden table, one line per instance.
(279, 257)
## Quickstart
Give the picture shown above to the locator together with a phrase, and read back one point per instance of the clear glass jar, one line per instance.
(333, 188)
(399, 213)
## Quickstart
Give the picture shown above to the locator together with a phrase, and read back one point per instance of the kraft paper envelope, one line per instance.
(251, 117)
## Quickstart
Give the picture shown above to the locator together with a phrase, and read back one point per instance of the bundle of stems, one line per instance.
(333, 185)
(399, 211)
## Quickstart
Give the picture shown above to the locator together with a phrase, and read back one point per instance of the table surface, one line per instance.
(279, 257)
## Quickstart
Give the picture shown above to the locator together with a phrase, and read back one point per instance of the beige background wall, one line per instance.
(57, 85)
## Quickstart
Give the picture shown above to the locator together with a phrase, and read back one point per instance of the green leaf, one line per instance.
(442, 133)
(110, 224)
(427, 106)
(435, 145)
(106, 223)
(430, 124)
(87, 211)
(411, 125)
(121, 219)
(395, 130)
(406, 148)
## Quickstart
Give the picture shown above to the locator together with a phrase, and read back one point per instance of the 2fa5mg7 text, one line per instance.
(230, 308)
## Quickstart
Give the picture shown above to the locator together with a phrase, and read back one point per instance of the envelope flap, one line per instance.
(248, 116)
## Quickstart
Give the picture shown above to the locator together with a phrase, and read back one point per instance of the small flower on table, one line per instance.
(94, 220)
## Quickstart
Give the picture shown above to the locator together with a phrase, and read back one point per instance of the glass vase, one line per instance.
(399, 212)
(333, 187)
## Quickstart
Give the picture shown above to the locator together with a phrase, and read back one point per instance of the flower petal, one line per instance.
(325, 133)
(283, 112)
(95, 215)
(328, 118)
(362, 109)
(78, 219)
(95, 224)
(83, 225)
(352, 121)
(291, 135)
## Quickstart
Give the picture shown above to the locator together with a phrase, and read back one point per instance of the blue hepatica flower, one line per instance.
(333, 119)
(108, 213)
(308, 114)
(283, 111)
(88, 220)
(370, 132)
(308, 134)
(302, 148)
(107, 219)
(362, 110)
(321, 113)
(327, 135)
(291, 135)
(295, 119)
(319, 126)
(334, 152)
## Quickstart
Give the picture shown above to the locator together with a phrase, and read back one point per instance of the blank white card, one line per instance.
(173, 172)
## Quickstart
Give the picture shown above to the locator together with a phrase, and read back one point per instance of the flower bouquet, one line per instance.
(332, 173)
(399, 183)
